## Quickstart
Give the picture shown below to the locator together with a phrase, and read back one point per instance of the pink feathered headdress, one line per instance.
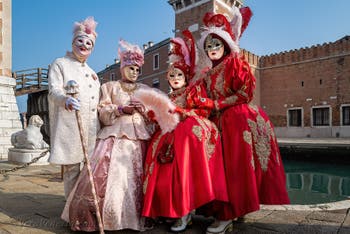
(85, 28)
(130, 54)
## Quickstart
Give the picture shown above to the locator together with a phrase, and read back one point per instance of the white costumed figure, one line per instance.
(66, 146)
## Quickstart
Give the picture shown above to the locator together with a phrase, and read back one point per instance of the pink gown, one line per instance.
(117, 167)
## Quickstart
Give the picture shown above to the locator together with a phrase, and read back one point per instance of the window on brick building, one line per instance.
(112, 76)
(295, 117)
(321, 116)
(155, 61)
(156, 83)
(140, 71)
(345, 114)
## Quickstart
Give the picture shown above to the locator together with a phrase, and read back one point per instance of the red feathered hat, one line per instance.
(182, 54)
(228, 30)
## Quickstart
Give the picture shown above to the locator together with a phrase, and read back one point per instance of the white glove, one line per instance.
(72, 103)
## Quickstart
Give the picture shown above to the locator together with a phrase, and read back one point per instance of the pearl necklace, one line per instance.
(128, 87)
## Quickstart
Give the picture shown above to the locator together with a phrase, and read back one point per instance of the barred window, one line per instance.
(155, 61)
(140, 71)
(345, 115)
(294, 117)
(112, 77)
(321, 116)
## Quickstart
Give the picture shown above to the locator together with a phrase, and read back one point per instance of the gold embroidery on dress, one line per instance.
(197, 131)
(219, 84)
(207, 126)
(269, 127)
(210, 146)
(148, 171)
(247, 136)
(262, 132)
(230, 100)
(145, 184)
(215, 69)
(241, 92)
(155, 145)
(151, 167)
(254, 107)
(179, 97)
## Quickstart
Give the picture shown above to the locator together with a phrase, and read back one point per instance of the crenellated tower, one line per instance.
(189, 13)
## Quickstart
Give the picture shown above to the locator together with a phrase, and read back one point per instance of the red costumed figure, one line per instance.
(184, 167)
(253, 166)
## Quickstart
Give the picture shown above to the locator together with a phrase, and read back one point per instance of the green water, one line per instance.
(314, 183)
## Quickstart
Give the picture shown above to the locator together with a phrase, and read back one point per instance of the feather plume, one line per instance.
(88, 26)
(162, 107)
(130, 54)
(184, 49)
(246, 16)
(236, 23)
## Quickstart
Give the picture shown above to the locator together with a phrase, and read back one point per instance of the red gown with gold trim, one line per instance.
(253, 166)
(184, 168)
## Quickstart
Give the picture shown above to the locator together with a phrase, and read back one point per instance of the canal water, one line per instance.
(317, 182)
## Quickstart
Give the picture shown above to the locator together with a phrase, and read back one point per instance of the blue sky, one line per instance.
(42, 30)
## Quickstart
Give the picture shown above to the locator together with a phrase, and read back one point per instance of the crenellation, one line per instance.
(250, 57)
(314, 50)
(283, 55)
(342, 45)
(305, 53)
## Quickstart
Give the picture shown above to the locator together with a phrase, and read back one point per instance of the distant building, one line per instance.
(305, 92)
(153, 72)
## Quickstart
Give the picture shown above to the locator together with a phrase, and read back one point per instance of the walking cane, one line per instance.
(72, 88)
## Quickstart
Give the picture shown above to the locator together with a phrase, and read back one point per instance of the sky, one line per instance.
(42, 30)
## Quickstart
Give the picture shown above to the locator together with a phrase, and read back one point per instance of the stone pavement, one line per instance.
(31, 201)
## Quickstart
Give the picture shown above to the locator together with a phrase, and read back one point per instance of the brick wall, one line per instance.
(192, 16)
(316, 76)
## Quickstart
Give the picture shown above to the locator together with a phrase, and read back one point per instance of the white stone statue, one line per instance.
(30, 137)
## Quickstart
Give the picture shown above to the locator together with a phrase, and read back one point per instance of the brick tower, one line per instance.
(189, 13)
(9, 115)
